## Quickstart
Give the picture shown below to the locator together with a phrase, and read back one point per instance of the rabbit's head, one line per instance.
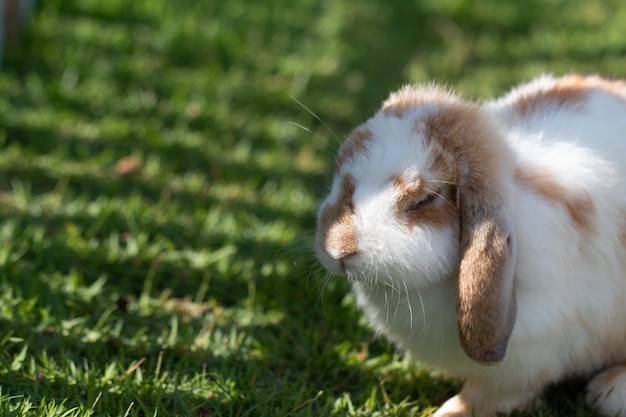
(422, 193)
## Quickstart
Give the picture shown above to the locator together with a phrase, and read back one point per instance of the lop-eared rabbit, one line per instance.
(489, 238)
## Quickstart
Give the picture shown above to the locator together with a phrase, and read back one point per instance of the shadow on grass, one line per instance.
(298, 353)
(283, 368)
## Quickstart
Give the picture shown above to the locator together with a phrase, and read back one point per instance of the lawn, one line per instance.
(160, 167)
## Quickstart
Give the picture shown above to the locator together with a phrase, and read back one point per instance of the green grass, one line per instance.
(158, 197)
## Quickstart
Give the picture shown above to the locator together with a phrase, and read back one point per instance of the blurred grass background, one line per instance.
(158, 188)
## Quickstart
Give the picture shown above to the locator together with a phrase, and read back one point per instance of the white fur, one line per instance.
(607, 389)
(570, 284)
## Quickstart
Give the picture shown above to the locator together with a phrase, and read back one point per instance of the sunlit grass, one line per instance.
(160, 167)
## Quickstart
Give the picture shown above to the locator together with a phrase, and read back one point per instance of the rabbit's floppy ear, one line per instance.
(485, 289)
(486, 307)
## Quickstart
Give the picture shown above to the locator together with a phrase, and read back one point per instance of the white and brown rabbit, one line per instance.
(489, 239)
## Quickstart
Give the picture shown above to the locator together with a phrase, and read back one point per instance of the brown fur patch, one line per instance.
(408, 98)
(463, 142)
(579, 206)
(568, 91)
(451, 127)
(401, 106)
(422, 203)
(486, 307)
(436, 213)
(336, 222)
(613, 86)
(442, 165)
(354, 144)
(485, 300)
(407, 190)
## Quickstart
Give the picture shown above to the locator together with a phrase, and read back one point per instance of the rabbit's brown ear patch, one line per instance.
(486, 308)
(464, 144)
(579, 206)
(336, 223)
(356, 143)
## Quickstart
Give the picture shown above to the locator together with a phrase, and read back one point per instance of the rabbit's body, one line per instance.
(552, 169)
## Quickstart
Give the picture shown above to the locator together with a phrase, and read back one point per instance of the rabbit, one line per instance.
(488, 239)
